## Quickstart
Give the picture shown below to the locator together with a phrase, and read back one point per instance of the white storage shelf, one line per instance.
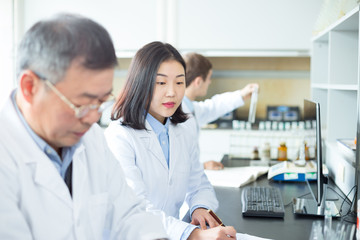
(335, 84)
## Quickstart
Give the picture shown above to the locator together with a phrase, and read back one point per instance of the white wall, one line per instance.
(247, 24)
(6, 49)
(131, 23)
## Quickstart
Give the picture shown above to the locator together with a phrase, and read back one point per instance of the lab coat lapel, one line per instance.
(79, 174)
(44, 172)
(47, 176)
(150, 140)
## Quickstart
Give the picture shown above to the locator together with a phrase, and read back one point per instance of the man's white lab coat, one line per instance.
(35, 202)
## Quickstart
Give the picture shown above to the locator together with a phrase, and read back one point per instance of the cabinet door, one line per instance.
(6, 50)
(246, 24)
(131, 24)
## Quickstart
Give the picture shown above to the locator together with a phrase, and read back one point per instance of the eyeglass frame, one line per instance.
(82, 110)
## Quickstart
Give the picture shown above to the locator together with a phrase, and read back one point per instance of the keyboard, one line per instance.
(262, 202)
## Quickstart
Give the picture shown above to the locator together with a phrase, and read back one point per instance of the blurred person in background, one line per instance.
(198, 79)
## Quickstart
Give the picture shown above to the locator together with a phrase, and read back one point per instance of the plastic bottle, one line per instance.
(282, 152)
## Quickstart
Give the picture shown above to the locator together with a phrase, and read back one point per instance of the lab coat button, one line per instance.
(170, 182)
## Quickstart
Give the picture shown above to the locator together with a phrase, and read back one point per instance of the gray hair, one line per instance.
(49, 47)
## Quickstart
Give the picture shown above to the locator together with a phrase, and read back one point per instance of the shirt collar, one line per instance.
(157, 126)
(189, 104)
(44, 146)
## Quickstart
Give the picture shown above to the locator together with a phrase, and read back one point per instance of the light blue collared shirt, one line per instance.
(162, 133)
(189, 104)
(67, 152)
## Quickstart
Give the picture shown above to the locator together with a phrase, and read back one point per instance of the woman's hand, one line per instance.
(218, 233)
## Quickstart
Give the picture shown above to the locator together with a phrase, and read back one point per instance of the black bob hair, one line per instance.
(135, 98)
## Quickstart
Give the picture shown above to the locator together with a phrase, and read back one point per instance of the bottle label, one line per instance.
(282, 155)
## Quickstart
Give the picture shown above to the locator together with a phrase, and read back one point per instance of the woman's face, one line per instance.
(168, 91)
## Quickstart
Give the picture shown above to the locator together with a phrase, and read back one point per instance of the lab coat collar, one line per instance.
(152, 144)
(47, 176)
(79, 173)
(187, 105)
(44, 172)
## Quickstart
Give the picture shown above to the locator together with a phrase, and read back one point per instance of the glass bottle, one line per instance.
(303, 152)
(266, 153)
(255, 154)
(307, 154)
(282, 152)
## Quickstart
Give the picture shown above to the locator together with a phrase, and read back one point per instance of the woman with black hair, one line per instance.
(157, 153)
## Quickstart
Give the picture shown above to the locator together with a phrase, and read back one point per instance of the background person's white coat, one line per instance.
(211, 109)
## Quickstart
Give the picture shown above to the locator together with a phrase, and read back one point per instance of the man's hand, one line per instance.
(248, 90)
(213, 165)
(202, 217)
(218, 233)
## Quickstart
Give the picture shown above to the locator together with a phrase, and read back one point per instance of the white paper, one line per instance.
(235, 176)
(242, 236)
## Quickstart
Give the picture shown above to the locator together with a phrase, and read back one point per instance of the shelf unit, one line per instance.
(335, 85)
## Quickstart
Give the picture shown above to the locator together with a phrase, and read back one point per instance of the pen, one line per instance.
(218, 220)
(216, 217)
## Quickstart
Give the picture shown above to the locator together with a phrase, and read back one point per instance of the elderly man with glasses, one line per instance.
(58, 179)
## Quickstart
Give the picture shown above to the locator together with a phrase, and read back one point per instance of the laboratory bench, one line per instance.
(290, 227)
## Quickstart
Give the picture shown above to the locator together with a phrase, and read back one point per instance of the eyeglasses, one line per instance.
(82, 110)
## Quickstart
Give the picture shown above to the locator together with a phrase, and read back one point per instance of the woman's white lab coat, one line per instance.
(147, 172)
(35, 202)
